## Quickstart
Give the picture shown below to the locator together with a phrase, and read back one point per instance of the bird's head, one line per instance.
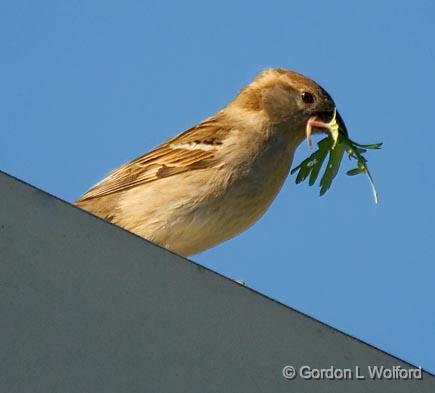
(289, 98)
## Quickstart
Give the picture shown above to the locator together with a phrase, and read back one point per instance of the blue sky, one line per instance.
(88, 85)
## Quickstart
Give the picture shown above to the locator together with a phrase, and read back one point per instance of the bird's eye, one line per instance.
(307, 97)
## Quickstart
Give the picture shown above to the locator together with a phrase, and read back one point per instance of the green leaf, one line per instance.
(311, 166)
(376, 146)
(316, 169)
(355, 171)
(304, 172)
(360, 151)
(335, 156)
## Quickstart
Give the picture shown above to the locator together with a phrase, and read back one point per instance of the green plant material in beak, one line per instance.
(334, 146)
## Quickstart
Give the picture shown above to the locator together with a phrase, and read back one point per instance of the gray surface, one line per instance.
(88, 307)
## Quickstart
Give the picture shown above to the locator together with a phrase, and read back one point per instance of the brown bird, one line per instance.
(216, 179)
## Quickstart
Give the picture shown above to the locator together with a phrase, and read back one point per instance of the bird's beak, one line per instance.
(335, 126)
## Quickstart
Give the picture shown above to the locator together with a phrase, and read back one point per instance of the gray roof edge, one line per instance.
(229, 280)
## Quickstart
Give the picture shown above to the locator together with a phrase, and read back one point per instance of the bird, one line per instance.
(217, 178)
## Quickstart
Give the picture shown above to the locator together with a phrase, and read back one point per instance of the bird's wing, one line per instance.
(190, 150)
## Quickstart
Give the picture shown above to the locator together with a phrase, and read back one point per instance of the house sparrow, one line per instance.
(216, 179)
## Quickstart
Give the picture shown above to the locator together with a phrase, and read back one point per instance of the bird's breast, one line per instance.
(207, 206)
(243, 198)
(254, 188)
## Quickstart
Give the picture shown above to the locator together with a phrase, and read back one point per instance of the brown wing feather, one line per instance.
(164, 160)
